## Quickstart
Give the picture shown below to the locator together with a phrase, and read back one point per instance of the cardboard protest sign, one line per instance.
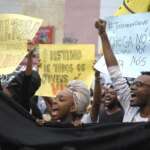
(11, 54)
(130, 40)
(14, 27)
(62, 63)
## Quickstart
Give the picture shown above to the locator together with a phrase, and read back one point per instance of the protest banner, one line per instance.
(129, 36)
(11, 55)
(62, 63)
(18, 129)
(14, 27)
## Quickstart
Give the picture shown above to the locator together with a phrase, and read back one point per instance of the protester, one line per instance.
(24, 85)
(70, 104)
(135, 101)
(21, 88)
(105, 106)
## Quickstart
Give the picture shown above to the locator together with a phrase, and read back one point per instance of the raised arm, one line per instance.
(96, 98)
(28, 70)
(107, 50)
(119, 82)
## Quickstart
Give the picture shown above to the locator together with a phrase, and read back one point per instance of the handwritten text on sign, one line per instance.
(11, 55)
(18, 27)
(130, 39)
(62, 63)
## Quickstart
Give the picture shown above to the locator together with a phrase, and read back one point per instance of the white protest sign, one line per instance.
(129, 36)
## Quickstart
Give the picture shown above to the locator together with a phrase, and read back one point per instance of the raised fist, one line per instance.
(101, 26)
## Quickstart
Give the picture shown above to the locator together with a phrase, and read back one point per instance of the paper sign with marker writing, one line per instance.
(11, 55)
(62, 63)
(14, 27)
(129, 36)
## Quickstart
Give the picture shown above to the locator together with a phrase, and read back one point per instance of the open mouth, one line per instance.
(107, 100)
(54, 110)
(133, 97)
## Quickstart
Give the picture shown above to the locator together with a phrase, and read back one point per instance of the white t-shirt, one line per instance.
(138, 118)
(131, 114)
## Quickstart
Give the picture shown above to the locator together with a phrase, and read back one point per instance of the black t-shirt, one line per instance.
(111, 118)
(23, 87)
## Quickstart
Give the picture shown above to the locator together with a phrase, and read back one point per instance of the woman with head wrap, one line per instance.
(70, 102)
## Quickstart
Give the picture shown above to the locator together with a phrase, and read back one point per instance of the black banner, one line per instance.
(18, 129)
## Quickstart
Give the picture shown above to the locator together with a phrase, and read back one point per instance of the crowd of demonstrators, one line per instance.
(67, 107)
(119, 102)
(135, 99)
(70, 104)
